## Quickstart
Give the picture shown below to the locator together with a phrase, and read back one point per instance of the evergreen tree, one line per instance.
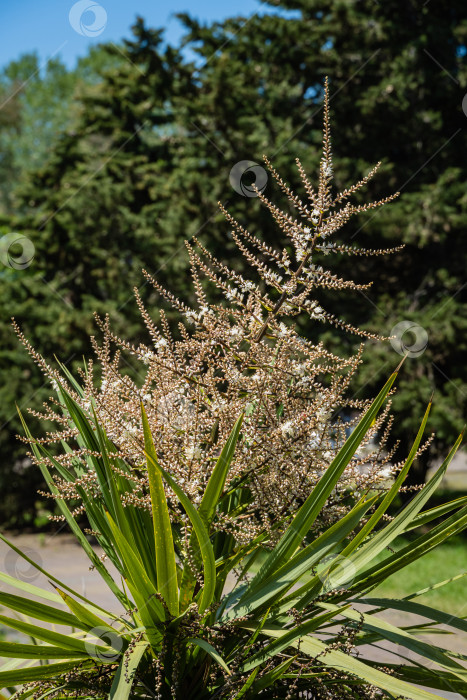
(398, 79)
(86, 210)
(37, 105)
(152, 148)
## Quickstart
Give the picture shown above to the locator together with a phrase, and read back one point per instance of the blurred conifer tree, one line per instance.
(154, 135)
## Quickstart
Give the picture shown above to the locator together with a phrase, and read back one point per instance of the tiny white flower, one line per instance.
(190, 316)
(287, 429)
(315, 214)
(273, 277)
(322, 414)
(192, 452)
(317, 312)
(218, 406)
(303, 381)
(233, 294)
(248, 286)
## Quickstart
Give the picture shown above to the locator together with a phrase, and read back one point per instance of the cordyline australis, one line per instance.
(245, 355)
(230, 455)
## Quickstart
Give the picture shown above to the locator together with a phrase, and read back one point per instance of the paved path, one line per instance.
(63, 558)
(455, 478)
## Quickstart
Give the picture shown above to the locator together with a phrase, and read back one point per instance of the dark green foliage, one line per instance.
(150, 150)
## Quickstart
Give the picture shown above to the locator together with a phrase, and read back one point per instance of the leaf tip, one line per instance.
(401, 363)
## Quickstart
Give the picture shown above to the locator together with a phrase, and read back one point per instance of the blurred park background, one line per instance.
(119, 125)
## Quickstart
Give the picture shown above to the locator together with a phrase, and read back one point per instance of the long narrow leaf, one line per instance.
(286, 639)
(43, 594)
(135, 524)
(348, 664)
(203, 644)
(370, 550)
(217, 479)
(39, 611)
(393, 491)
(166, 566)
(38, 651)
(207, 508)
(39, 451)
(124, 677)
(275, 674)
(87, 620)
(289, 574)
(207, 554)
(38, 673)
(310, 510)
(427, 516)
(52, 637)
(413, 551)
(137, 575)
(394, 634)
(382, 539)
(418, 609)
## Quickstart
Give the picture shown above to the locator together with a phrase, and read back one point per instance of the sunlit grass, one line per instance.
(443, 562)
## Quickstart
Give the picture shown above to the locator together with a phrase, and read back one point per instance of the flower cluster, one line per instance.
(244, 355)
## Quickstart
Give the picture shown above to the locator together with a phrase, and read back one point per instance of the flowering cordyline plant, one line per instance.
(246, 356)
(229, 456)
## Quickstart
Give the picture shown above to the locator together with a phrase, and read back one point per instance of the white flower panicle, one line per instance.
(244, 355)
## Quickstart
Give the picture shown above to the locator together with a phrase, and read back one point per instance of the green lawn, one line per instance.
(443, 562)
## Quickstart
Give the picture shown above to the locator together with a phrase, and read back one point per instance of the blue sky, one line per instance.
(46, 25)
